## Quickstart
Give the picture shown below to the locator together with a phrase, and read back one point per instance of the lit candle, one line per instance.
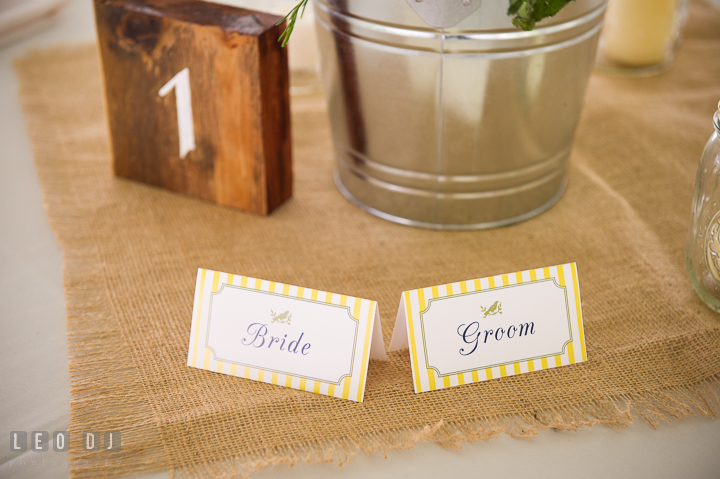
(639, 33)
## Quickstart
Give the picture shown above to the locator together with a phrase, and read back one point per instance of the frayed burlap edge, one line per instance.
(701, 399)
(104, 385)
(105, 389)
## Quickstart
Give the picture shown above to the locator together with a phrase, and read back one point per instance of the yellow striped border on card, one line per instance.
(564, 276)
(411, 335)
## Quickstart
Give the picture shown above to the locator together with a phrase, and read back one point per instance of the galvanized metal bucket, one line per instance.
(446, 116)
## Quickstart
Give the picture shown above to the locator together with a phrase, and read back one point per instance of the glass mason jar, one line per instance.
(639, 36)
(703, 248)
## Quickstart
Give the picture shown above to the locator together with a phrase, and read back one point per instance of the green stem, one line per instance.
(291, 17)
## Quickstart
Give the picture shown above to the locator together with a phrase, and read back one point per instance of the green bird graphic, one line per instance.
(283, 318)
(496, 308)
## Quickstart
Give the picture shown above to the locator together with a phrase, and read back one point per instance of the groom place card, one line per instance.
(492, 327)
(286, 335)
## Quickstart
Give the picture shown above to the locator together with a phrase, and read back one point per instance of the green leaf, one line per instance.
(529, 12)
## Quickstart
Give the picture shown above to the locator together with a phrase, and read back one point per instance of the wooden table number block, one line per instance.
(197, 99)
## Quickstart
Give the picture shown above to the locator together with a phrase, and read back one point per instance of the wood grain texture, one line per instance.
(240, 102)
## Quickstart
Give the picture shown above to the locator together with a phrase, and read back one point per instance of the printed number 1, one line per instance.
(186, 128)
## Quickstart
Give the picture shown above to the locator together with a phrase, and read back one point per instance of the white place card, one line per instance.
(494, 327)
(285, 335)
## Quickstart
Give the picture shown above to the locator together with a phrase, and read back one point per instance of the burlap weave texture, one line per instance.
(131, 253)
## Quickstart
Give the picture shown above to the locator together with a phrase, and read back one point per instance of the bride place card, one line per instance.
(492, 327)
(290, 336)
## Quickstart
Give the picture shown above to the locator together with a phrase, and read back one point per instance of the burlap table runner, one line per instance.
(131, 253)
